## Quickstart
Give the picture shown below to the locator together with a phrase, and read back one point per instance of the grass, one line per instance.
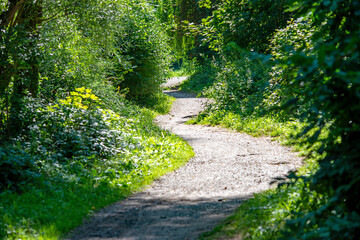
(52, 210)
(159, 103)
(255, 126)
(177, 73)
(55, 206)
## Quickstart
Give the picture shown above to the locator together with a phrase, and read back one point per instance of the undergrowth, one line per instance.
(199, 80)
(177, 73)
(76, 156)
(158, 102)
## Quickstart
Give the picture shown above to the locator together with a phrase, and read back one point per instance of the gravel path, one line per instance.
(228, 168)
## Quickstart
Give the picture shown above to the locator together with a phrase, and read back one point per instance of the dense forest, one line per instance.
(81, 83)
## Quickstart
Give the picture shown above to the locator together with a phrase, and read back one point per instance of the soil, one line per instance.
(228, 168)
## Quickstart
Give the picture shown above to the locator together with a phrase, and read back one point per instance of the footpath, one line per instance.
(228, 168)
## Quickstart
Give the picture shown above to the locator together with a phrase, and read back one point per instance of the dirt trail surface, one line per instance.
(228, 168)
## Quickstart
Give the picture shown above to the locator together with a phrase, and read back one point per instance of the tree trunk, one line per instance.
(22, 18)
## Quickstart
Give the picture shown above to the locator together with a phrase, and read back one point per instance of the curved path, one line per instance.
(228, 168)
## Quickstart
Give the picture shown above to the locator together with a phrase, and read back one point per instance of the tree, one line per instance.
(19, 61)
(331, 74)
(250, 24)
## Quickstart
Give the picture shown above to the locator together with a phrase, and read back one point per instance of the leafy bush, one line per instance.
(295, 37)
(75, 130)
(202, 77)
(331, 75)
(88, 42)
(146, 53)
(250, 24)
(17, 168)
(240, 84)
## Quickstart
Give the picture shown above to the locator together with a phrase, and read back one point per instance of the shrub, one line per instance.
(202, 77)
(295, 37)
(17, 168)
(142, 52)
(67, 136)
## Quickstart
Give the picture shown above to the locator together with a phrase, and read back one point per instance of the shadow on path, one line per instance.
(163, 218)
(180, 94)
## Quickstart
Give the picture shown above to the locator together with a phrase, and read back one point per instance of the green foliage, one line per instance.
(74, 129)
(146, 53)
(202, 77)
(249, 24)
(296, 36)
(331, 74)
(54, 47)
(312, 78)
(70, 59)
(176, 73)
(17, 168)
(159, 102)
(77, 156)
(240, 85)
(182, 18)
